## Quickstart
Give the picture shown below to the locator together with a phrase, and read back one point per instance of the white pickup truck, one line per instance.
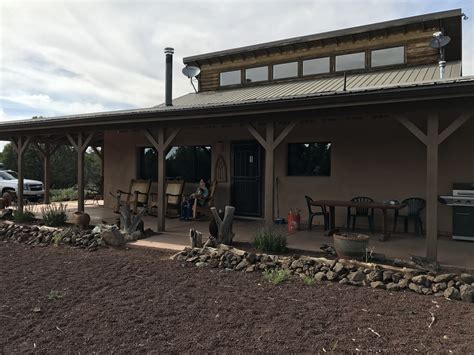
(32, 189)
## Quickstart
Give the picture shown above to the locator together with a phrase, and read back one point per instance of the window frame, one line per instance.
(297, 62)
(365, 67)
(230, 71)
(269, 68)
(404, 46)
(330, 71)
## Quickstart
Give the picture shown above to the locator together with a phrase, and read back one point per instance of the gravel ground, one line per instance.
(62, 300)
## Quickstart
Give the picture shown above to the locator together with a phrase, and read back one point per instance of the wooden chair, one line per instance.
(174, 196)
(205, 207)
(137, 195)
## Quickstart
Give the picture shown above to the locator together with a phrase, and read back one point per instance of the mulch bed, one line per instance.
(139, 300)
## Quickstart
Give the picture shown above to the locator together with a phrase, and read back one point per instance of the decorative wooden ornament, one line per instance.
(221, 169)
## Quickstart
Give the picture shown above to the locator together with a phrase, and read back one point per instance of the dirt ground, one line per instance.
(140, 301)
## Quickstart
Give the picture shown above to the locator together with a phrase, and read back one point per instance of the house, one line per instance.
(358, 111)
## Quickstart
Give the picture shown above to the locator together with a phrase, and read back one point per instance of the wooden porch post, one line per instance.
(432, 139)
(46, 152)
(80, 144)
(20, 144)
(432, 187)
(270, 144)
(161, 145)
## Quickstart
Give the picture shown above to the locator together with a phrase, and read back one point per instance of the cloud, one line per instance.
(65, 57)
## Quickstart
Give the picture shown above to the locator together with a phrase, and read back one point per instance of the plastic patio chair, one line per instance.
(414, 206)
(312, 213)
(360, 212)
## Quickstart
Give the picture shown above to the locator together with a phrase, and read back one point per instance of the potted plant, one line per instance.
(351, 245)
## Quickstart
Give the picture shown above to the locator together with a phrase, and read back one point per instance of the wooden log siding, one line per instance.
(417, 52)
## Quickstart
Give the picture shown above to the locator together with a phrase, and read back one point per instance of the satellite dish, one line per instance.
(191, 71)
(439, 40)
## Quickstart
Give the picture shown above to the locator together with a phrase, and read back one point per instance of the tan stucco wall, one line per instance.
(374, 157)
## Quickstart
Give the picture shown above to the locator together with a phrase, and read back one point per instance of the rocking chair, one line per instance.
(137, 196)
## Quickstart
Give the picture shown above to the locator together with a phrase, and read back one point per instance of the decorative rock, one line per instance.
(452, 293)
(201, 264)
(251, 268)
(396, 277)
(374, 275)
(392, 286)
(414, 287)
(339, 268)
(357, 276)
(467, 278)
(320, 276)
(242, 265)
(443, 278)
(467, 293)
(113, 238)
(251, 258)
(331, 275)
(378, 285)
(297, 264)
(438, 287)
(344, 281)
(387, 276)
(451, 283)
(421, 280)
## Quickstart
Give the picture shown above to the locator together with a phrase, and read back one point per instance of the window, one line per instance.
(316, 66)
(286, 70)
(256, 74)
(309, 159)
(350, 61)
(388, 56)
(230, 78)
(190, 163)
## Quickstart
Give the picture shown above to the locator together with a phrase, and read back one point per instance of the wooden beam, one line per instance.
(151, 139)
(269, 174)
(418, 133)
(20, 144)
(46, 151)
(458, 122)
(287, 130)
(170, 138)
(98, 152)
(256, 135)
(432, 188)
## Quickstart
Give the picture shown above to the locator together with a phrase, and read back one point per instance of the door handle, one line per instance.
(463, 214)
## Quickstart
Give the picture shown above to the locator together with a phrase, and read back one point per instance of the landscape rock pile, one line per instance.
(452, 286)
(42, 236)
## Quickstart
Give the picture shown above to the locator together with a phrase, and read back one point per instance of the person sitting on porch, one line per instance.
(202, 192)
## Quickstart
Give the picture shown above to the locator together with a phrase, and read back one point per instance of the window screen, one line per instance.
(256, 74)
(316, 66)
(230, 78)
(388, 56)
(286, 70)
(350, 61)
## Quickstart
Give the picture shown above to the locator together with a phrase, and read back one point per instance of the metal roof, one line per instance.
(273, 96)
(326, 35)
(302, 88)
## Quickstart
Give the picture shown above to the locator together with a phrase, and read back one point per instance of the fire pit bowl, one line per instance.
(351, 245)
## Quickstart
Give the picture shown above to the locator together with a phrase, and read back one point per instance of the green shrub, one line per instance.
(54, 295)
(308, 280)
(54, 216)
(270, 240)
(276, 276)
(23, 217)
(60, 195)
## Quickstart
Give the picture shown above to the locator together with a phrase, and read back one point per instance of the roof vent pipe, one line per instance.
(169, 76)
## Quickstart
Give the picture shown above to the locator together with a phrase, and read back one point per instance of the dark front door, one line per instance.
(247, 179)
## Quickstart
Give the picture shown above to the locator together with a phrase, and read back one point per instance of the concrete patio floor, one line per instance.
(451, 253)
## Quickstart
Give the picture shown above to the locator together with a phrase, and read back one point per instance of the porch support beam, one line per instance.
(458, 122)
(19, 145)
(80, 144)
(418, 133)
(161, 143)
(432, 188)
(47, 150)
(270, 143)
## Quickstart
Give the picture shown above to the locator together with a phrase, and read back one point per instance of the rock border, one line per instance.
(350, 272)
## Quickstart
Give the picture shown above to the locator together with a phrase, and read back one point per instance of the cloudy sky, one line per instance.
(66, 57)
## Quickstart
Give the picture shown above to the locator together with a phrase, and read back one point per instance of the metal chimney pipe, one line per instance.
(169, 76)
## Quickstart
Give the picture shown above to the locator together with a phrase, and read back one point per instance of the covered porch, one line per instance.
(457, 254)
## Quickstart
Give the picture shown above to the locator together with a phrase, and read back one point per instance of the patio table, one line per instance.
(332, 204)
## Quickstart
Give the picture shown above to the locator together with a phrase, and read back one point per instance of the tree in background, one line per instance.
(63, 166)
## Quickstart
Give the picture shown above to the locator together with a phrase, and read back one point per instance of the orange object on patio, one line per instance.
(293, 222)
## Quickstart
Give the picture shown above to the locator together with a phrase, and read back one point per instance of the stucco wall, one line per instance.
(374, 157)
